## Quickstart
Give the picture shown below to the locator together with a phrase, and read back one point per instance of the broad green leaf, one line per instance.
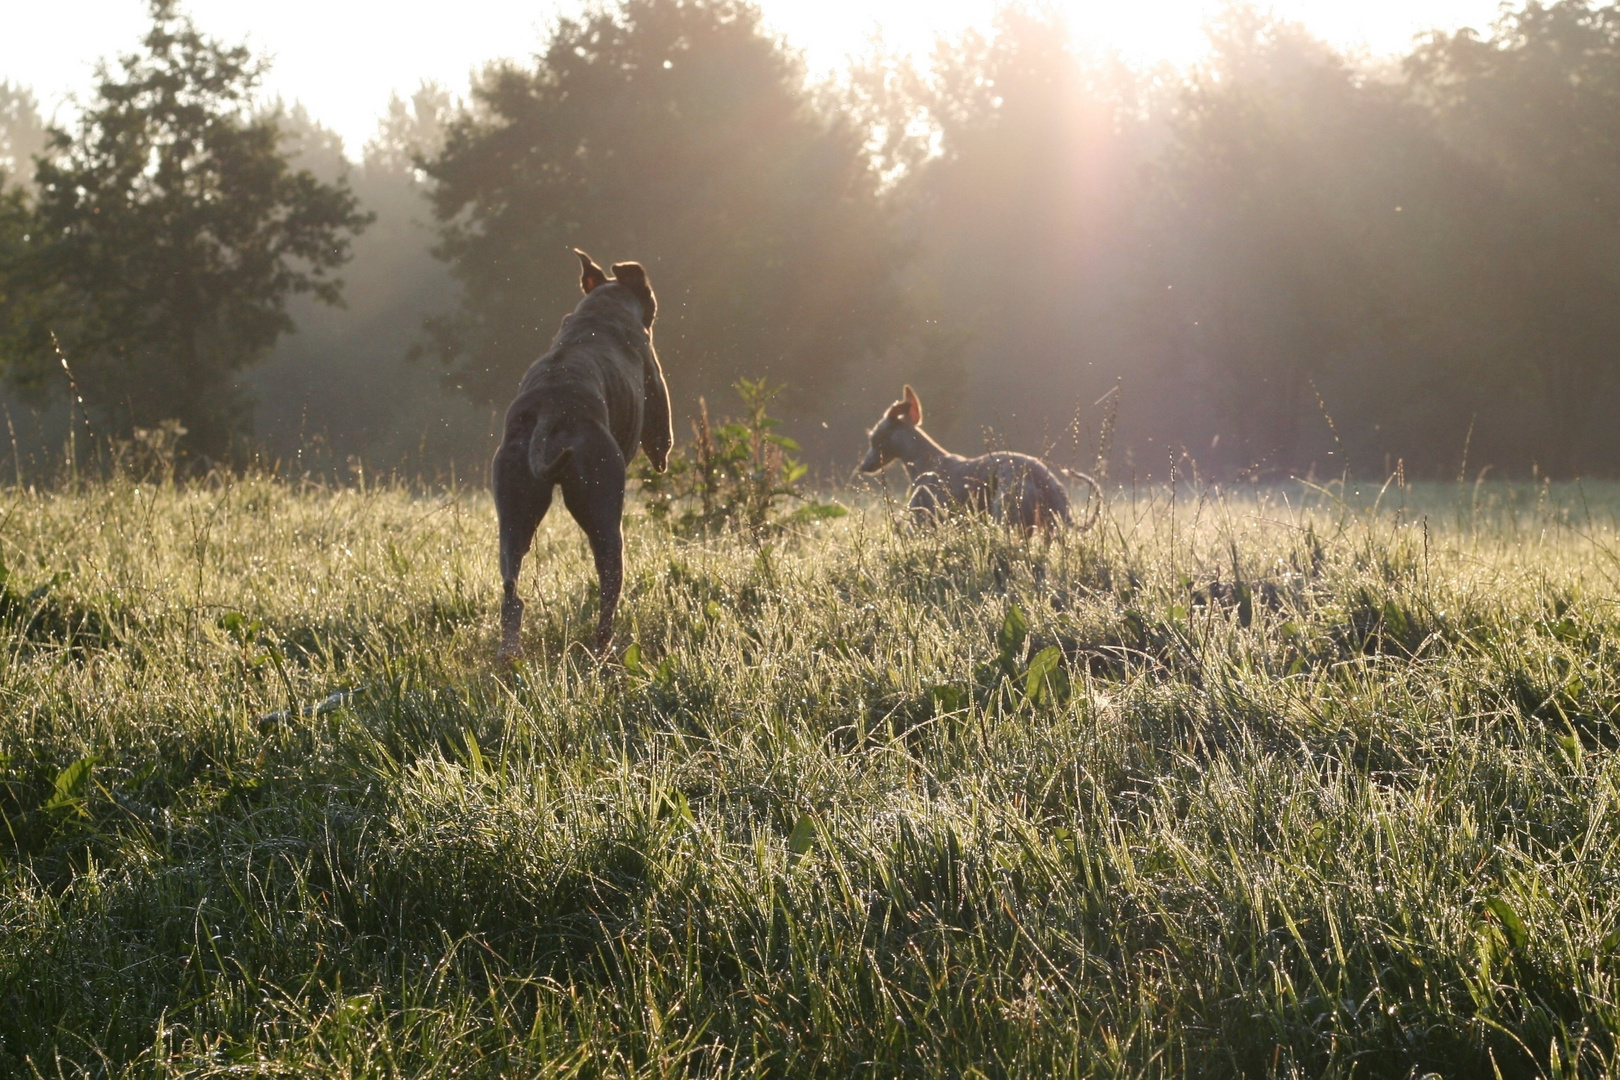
(948, 699)
(72, 787)
(1512, 926)
(1010, 638)
(1395, 621)
(802, 838)
(1041, 668)
(664, 677)
(1136, 627)
(352, 1010)
(675, 805)
(241, 628)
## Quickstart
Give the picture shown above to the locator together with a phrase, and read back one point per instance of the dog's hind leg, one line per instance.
(1048, 500)
(929, 498)
(521, 502)
(596, 499)
(1039, 512)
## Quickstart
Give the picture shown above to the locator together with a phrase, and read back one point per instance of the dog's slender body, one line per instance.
(1015, 488)
(581, 411)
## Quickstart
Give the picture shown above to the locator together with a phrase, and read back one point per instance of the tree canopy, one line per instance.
(681, 134)
(1536, 107)
(1285, 259)
(165, 236)
(22, 132)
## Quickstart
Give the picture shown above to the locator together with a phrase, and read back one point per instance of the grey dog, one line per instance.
(1015, 488)
(580, 412)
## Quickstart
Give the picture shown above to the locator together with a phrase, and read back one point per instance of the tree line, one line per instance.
(1277, 262)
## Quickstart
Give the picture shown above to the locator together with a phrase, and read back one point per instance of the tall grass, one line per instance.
(1290, 782)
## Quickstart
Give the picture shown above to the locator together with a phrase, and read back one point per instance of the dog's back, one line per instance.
(593, 379)
(579, 415)
(1012, 487)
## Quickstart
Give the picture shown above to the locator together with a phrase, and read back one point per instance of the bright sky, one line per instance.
(52, 45)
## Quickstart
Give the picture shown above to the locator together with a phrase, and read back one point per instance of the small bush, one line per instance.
(735, 476)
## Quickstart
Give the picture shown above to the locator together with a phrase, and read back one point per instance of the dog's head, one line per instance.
(905, 414)
(629, 276)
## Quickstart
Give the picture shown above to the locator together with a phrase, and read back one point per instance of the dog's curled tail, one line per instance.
(1093, 503)
(548, 470)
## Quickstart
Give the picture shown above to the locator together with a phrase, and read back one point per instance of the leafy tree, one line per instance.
(681, 134)
(1266, 287)
(342, 386)
(1538, 105)
(22, 136)
(1016, 158)
(22, 132)
(410, 130)
(1321, 245)
(1278, 224)
(15, 305)
(168, 233)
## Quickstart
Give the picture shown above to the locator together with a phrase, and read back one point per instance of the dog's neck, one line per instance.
(919, 453)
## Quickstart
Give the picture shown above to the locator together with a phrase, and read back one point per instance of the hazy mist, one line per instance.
(1281, 260)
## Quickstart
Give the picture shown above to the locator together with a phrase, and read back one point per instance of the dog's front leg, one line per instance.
(511, 621)
(657, 428)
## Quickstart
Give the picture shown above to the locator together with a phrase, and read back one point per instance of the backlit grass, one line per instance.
(1285, 782)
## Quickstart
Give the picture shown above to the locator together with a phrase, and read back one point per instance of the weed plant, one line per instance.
(734, 475)
(1287, 782)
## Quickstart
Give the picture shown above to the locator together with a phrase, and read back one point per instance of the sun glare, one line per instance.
(344, 73)
(1153, 32)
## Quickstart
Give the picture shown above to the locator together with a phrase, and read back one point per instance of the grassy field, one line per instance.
(1276, 783)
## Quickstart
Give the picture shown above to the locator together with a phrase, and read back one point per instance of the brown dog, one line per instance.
(1010, 487)
(578, 417)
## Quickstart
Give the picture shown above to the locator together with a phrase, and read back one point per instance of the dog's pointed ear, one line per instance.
(908, 409)
(590, 275)
(633, 277)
